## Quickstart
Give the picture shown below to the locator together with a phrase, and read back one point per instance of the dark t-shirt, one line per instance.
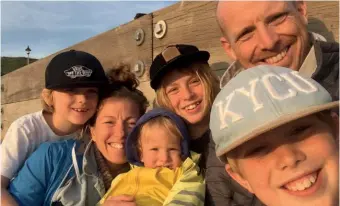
(200, 146)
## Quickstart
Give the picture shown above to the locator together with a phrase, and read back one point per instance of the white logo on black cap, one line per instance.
(78, 71)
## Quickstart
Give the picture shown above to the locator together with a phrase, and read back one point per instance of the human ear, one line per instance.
(238, 178)
(47, 96)
(227, 48)
(301, 7)
(93, 136)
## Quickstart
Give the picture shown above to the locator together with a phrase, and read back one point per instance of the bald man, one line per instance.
(276, 33)
(267, 32)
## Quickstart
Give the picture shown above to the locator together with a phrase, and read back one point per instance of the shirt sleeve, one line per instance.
(30, 186)
(189, 189)
(15, 149)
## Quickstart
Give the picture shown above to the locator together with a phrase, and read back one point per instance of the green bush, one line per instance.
(9, 64)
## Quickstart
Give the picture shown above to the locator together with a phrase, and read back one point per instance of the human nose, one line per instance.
(187, 92)
(81, 98)
(267, 37)
(163, 158)
(119, 130)
(288, 156)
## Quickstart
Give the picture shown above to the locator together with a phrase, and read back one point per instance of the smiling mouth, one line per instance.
(192, 106)
(303, 185)
(80, 110)
(116, 145)
(275, 59)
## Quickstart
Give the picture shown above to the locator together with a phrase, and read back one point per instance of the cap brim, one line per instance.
(84, 84)
(186, 59)
(272, 125)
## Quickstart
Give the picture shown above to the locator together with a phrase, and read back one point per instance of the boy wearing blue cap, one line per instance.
(276, 133)
(163, 171)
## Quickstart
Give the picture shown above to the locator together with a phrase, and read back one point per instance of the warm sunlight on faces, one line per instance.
(186, 94)
(75, 105)
(296, 164)
(160, 148)
(116, 118)
(266, 32)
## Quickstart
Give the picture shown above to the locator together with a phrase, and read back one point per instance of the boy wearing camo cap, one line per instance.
(275, 131)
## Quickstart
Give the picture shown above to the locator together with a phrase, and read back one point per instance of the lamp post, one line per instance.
(28, 50)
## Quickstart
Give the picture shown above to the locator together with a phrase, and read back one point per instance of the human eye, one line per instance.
(195, 81)
(109, 122)
(68, 90)
(92, 91)
(131, 123)
(258, 150)
(299, 130)
(154, 149)
(171, 90)
(278, 18)
(245, 35)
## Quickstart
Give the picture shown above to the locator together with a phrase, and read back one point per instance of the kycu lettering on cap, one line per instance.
(260, 99)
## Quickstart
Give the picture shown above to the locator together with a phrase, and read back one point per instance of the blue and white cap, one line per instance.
(260, 99)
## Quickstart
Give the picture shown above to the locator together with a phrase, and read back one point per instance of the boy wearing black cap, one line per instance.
(69, 99)
(163, 172)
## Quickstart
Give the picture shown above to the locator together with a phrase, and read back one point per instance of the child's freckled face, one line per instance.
(159, 148)
(295, 164)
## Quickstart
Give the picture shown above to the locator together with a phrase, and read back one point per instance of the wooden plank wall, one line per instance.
(187, 22)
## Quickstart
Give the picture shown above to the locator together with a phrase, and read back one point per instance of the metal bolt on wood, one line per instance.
(160, 29)
(139, 68)
(139, 36)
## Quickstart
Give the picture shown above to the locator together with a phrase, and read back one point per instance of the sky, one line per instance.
(50, 26)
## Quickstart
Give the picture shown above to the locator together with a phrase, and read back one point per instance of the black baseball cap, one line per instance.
(171, 56)
(74, 69)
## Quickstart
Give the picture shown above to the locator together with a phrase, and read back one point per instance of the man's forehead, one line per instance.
(247, 12)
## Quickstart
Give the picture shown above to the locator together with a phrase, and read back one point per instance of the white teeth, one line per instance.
(302, 184)
(80, 110)
(277, 58)
(307, 183)
(293, 188)
(192, 106)
(116, 145)
(312, 179)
